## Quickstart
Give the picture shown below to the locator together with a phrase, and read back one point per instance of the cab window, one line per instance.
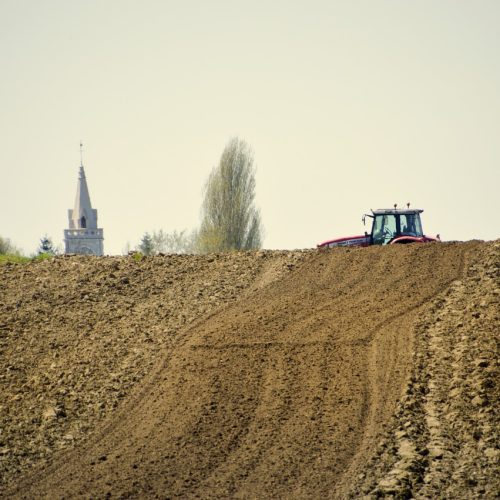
(410, 225)
(384, 229)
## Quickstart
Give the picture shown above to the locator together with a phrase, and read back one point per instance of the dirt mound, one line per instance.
(267, 374)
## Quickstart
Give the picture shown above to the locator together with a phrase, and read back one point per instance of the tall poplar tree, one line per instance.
(230, 220)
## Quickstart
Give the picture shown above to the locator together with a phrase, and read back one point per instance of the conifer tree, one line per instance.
(46, 246)
(146, 246)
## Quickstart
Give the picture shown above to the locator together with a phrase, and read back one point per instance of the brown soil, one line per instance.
(252, 375)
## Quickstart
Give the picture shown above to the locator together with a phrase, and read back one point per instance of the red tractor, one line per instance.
(390, 226)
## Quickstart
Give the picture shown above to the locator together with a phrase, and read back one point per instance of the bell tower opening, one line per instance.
(83, 222)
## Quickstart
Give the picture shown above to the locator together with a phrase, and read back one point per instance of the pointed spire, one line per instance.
(82, 200)
(83, 216)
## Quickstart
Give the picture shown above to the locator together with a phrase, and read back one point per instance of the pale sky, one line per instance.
(348, 105)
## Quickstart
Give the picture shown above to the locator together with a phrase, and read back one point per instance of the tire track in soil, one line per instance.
(378, 408)
(460, 373)
(283, 414)
(396, 464)
(269, 443)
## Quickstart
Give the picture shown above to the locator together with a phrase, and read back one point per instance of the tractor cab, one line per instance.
(394, 225)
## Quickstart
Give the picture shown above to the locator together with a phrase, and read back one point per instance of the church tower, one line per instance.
(83, 235)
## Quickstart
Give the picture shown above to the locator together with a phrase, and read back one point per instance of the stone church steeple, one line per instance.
(83, 235)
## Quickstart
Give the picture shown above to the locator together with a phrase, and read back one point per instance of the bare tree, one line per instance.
(161, 242)
(7, 247)
(174, 242)
(230, 220)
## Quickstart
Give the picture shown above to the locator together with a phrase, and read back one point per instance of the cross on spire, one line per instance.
(81, 154)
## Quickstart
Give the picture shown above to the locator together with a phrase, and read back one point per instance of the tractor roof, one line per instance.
(388, 211)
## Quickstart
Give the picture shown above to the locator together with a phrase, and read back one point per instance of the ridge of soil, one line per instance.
(266, 374)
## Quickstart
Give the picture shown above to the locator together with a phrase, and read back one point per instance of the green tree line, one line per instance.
(229, 218)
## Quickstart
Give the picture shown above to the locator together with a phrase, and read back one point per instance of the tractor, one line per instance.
(390, 226)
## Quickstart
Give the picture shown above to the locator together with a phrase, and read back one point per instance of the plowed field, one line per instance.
(252, 375)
